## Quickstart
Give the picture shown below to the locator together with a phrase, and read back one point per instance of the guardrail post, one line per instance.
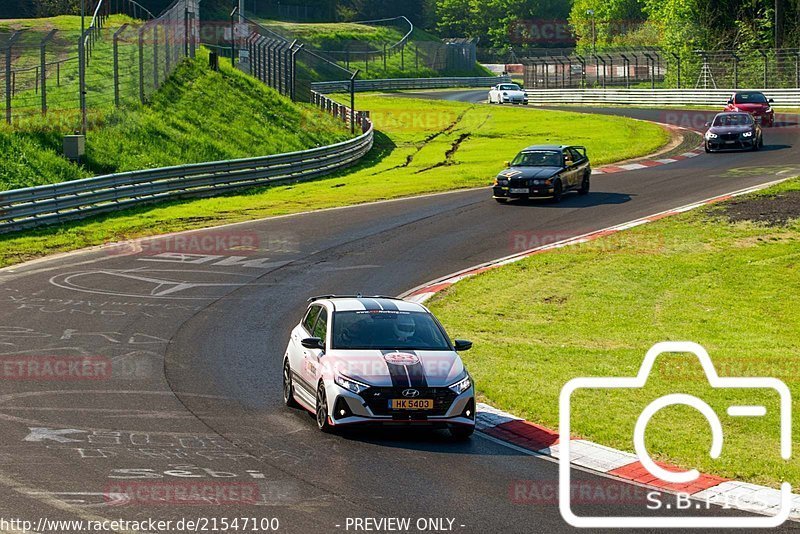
(766, 68)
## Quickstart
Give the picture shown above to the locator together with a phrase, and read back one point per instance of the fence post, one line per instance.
(141, 64)
(167, 51)
(735, 71)
(293, 72)
(384, 57)
(43, 68)
(116, 62)
(82, 79)
(766, 67)
(9, 87)
(403, 56)
(155, 56)
(353, 102)
(233, 36)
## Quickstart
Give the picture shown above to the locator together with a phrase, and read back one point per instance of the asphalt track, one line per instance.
(195, 345)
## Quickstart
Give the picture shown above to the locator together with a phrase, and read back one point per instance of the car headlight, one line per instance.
(350, 384)
(747, 134)
(710, 135)
(502, 181)
(462, 385)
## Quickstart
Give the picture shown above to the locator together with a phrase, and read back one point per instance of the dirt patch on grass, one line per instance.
(775, 210)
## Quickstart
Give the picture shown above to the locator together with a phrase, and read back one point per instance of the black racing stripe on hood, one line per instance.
(416, 373)
(405, 376)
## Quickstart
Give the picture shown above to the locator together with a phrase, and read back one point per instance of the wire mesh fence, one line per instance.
(656, 68)
(43, 79)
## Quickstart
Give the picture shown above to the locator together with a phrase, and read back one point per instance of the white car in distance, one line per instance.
(507, 93)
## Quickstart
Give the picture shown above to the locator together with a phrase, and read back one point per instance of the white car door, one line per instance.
(296, 351)
(312, 369)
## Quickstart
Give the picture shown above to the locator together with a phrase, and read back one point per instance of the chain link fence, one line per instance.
(125, 60)
(656, 68)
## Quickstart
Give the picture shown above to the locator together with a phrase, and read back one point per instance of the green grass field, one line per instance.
(422, 146)
(596, 308)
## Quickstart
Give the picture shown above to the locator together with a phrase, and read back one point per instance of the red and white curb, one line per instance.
(622, 465)
(648, 163)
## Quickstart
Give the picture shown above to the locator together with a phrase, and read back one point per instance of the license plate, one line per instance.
(520, 190)
(411, 404)
(729, 142)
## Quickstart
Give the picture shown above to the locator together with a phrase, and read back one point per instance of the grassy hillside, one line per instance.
(422, 53)
(197, 115)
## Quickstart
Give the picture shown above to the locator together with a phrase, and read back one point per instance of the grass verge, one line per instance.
(423, 146)
(725, 276)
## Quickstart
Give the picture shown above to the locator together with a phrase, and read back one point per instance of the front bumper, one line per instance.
(534, 191)
(741, 143)
(373, 410)
(515, 100)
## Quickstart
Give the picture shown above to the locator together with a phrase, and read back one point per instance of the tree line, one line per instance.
(588, 24)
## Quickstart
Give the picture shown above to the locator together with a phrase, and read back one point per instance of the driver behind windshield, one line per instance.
(732, 120)
(538, 159)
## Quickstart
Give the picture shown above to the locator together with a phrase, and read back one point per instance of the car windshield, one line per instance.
(510, 87)
(740, 119)
(387, 330)
(750, 98)
(538, 158)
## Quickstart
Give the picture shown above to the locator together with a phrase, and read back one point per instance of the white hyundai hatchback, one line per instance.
(366, 360)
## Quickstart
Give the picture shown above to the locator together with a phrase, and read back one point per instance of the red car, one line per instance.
(754, 103)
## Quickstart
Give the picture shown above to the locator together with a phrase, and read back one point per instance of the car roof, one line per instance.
(545, 147)
(368, 303)
(748, 93)
(732, 113)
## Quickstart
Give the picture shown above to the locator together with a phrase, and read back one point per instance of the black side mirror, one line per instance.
(462, 344)
(708, 125)
(313, 343)
(771, 101)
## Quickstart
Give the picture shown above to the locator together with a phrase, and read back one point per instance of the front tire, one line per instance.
(558, 192)
(288, 388)
(323, 421)
(461, 432)
(708, 150)
(501, 200)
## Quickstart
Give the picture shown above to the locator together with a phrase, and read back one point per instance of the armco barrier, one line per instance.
(50, 204)
(653, 97)
(398, 84)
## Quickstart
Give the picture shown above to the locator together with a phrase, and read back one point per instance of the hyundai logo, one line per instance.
(411, 393)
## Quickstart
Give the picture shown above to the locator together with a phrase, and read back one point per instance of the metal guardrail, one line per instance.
(51, 204)
(409, 83)
(653, 97)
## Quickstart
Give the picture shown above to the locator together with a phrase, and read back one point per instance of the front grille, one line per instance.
(377, 399)
(519, 183)
(730, 137)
